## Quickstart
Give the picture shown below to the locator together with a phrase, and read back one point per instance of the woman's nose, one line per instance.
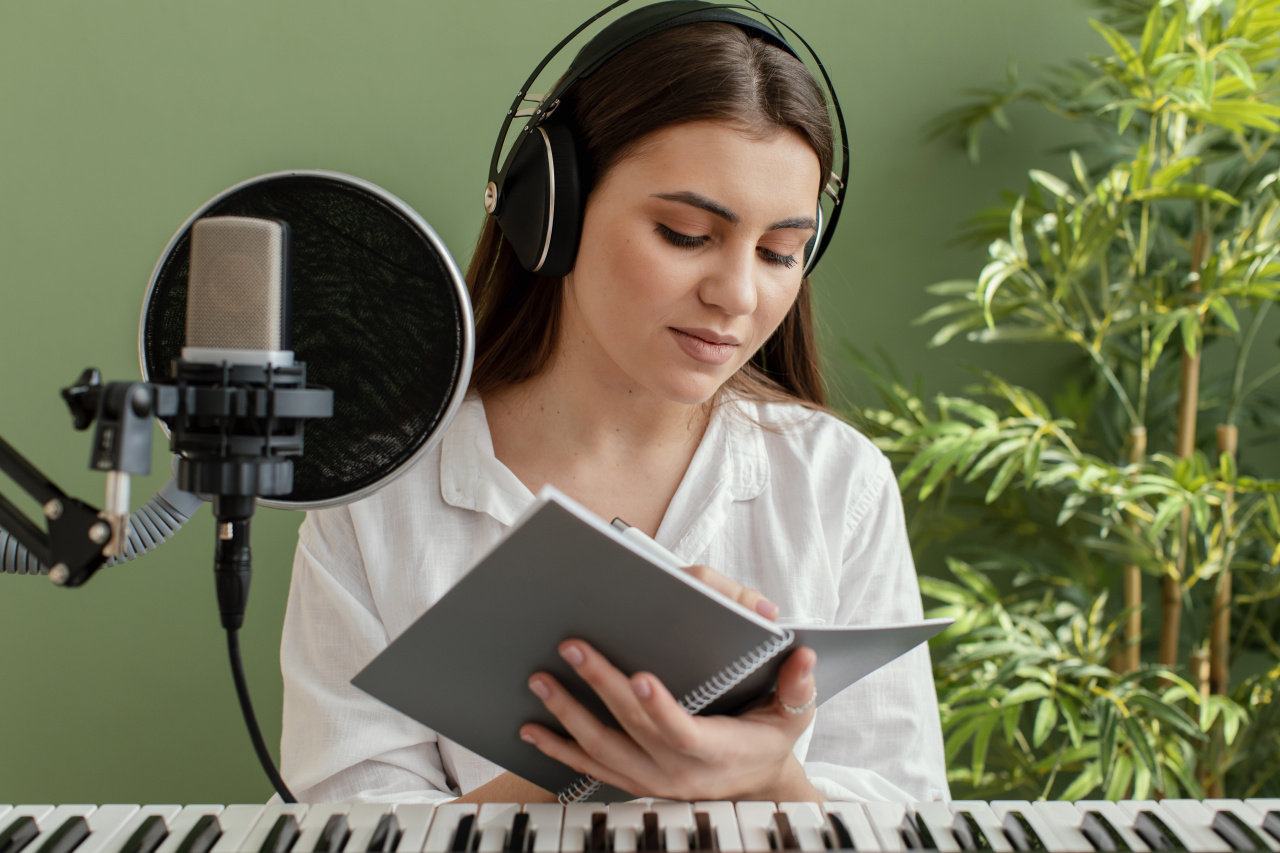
(731, 285)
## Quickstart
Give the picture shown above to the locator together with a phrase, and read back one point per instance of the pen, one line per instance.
(646, 544)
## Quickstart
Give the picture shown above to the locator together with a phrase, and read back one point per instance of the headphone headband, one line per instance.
(611, 40)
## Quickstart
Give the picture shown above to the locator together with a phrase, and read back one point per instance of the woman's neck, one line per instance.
(618, 451)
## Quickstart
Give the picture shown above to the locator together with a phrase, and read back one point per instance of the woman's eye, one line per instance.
(773, 257)
(675, 238)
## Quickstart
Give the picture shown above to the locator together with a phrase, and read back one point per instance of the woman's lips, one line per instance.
(705, 346)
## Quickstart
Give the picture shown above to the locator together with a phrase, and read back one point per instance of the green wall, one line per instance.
(118, 119)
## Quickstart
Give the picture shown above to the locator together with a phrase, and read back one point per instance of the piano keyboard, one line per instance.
(643, 826)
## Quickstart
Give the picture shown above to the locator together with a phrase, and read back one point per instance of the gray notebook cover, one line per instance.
(463, 667)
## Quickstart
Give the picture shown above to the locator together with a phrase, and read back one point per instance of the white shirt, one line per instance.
(797, 505)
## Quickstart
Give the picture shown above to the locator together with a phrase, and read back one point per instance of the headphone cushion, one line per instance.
(543, 199)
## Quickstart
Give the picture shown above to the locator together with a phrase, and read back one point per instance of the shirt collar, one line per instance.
(729, 464)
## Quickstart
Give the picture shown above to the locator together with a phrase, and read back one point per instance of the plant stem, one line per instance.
(1220, 633)
(1132, 656)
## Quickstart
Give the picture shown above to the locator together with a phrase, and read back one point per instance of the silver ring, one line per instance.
(799, 709)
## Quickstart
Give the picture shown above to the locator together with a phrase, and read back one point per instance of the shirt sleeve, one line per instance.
(880, 739)
(338, 743)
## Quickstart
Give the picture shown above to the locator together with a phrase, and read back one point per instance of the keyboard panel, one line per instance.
(645, 826)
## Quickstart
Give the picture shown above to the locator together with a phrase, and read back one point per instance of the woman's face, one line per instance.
(691, 255)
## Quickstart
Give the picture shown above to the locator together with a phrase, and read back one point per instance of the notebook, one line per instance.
(463, 667)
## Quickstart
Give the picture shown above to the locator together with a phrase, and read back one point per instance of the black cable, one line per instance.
(251, 720)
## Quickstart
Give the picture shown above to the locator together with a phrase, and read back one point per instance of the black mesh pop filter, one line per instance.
(380, 315)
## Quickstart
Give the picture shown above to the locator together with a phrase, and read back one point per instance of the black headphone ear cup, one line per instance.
(543, 196)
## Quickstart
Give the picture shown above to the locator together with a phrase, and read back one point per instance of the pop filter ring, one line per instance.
(417, 414)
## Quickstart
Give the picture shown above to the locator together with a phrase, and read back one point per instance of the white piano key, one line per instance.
(36, 813)
(937, 816)
(754, 822)
(1198, 823)
(854, 818)
(1065, 819)
(1117, 818)
(545, 820)
(183, 823)
(886, 820)
(362, 820)
(237, 822)
(987, 821)
(576, 832)
(1247, 813)
(314, 822)
(724, 823)
(261, 829)
(626, 822)
(807, 824)
(4, 810)
(104, 824)
(415, 822)
(51, 820)
(494, 825)
(1042, 828)
(445, 824)
(1132, 808)
(675, 822)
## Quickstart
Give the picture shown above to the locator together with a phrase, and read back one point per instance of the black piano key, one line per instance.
(283, 835)
(704, 835)
(651, 837)
(786, 838)
(67, 837)
(334, 835)
(386, 835)
(599, 841)
(519, 834)
(18, 834)
(843, 840)
(462, 836)
(147, 837)
(1021, 834)
(1156, 832)
(202, 836)
(1271, 823)
(1236, 832)
(1101, 834)
(967, 832)
(915, 835)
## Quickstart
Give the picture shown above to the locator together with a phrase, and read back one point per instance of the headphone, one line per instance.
(540, 191)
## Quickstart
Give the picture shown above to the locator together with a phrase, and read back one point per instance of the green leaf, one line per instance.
(1190, 334)
(973, 579)
(1222, 310)
(953, 287)
(1167, 713)
(1071, 713)
(1046, 719)
(1121, 775)
(1123, 49)
(1142, 748)
(1000, 451)
(1150, 30)
(1010, 720)
(1236, 64)
(1170, 173)
(1027, 691)
(1054, 185)
(1003, 477)
(1088, 780)
(1106, 714)
(981, 739)
(1199, 192)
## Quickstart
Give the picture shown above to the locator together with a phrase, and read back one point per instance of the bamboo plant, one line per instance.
(1161, 242)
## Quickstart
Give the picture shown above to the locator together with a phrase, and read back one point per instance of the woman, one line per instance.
(670, 379)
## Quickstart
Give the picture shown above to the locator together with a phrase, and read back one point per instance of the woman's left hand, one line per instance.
(664, 751)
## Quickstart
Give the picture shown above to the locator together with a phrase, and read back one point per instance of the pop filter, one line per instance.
(380, 315)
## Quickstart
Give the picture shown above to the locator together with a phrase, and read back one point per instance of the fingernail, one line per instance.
(539, 688)
(573, 655)
(767, 608)
(641, 687)
(528, 738)
(807, 671)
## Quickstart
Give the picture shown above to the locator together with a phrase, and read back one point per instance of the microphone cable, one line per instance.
(251, 719)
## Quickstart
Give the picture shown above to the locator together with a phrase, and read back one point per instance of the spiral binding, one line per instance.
(698, 699)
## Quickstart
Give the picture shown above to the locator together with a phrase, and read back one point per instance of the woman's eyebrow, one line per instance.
(703, 203)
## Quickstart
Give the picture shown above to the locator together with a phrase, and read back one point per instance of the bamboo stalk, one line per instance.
(1188, 402)
(1220, 633)
(1131, 658)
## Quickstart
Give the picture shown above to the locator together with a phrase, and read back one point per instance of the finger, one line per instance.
(671, 726)
(572, 755)
(746, 596)
(796, 684)
(611, 685)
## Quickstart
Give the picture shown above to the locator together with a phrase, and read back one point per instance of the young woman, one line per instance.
(670, 379)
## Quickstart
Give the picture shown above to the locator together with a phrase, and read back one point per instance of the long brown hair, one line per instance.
(694, 72)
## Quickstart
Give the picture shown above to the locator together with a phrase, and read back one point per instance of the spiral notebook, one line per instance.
(463, 667)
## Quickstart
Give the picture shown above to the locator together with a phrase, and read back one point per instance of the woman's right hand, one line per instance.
(747, 597)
